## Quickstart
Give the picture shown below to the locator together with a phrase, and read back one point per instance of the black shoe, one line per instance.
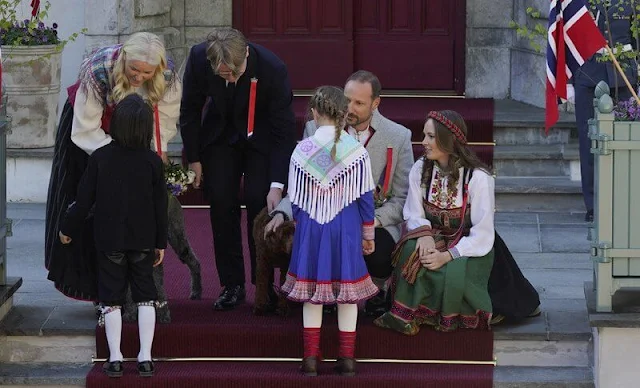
(113, 368)
(589, 216)
(229, 298)
(345, 366)
(146, 368)
(377, 305)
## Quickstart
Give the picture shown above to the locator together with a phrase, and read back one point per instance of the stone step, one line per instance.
(542, 160)
(524, 194)
(73, 375)
(43, 374)
(542, 377)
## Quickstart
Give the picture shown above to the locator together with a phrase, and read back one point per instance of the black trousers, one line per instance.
(379, 262)
(224, 168)
(117, 270)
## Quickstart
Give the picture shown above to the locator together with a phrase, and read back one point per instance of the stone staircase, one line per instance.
(534, 171)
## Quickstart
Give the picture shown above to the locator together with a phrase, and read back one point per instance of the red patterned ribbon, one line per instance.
(158, 142)
(387, 172)
(457, 132)
(252, 106)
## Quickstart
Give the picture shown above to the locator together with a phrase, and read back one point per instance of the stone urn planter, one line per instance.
(31, 77)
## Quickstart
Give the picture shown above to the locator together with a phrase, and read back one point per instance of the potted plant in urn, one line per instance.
(31, 65)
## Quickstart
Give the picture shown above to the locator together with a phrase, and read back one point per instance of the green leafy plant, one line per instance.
(30, 32)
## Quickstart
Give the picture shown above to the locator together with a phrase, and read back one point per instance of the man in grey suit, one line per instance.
(376, 133)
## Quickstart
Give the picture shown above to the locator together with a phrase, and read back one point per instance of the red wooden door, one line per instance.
(408, 44)
(411, 44)
(313, 37)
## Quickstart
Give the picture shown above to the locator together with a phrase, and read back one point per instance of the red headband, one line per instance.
(457, 132)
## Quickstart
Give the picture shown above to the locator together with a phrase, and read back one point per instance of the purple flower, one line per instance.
(54, 25)
(40, 25)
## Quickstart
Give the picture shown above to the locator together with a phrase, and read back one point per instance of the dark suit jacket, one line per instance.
(203, 112)
(129, 191)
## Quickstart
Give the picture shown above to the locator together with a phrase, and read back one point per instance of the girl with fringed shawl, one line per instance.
(331, 191)
(443, 263)
(139, 66)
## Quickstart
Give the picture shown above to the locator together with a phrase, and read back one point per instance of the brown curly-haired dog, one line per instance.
(272, 251)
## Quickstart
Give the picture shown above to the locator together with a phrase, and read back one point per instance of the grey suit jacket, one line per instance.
(387, 134)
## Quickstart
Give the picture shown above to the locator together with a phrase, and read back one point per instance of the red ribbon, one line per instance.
(252, 106)
(387, 172)
(158, 143)
(35, 5)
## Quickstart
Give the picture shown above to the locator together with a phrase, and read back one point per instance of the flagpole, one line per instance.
(624, 77)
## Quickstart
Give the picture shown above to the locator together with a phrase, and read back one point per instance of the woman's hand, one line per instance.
(423, 245)
(159, 257)
(64, 238)
(165, 158)
(435, 259)
(368, 247)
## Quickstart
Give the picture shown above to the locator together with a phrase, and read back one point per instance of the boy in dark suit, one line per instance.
(124, 183)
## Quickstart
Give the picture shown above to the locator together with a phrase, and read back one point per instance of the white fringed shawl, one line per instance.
(322, 186)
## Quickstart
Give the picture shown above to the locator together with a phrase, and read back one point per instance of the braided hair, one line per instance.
(330, 102)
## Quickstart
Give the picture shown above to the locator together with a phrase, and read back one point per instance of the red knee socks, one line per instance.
(311, 337)
(347, 344)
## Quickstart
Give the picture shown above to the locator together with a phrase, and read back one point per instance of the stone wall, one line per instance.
(488, 51)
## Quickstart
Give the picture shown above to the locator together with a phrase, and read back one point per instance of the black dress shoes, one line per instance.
(229, 298)
(146, 368)
(113, 368)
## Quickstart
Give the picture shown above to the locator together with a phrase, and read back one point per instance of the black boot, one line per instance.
(309, 366)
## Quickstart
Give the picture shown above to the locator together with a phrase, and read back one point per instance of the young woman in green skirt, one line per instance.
(443, 263)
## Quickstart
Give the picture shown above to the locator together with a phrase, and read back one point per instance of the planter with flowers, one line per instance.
(615, 135)
(31, 65)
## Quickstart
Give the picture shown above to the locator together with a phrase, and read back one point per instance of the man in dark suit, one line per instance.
(214, 127)
(614, 22)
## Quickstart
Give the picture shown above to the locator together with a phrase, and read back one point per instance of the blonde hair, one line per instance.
(330, 102)
(145, 47)
(226, 46)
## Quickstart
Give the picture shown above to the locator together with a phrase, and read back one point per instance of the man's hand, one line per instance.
(165, 158)
(275, 222)
(435, 259)
(159, 257)
(64, 238)
(197, 168)
(273, 198)
(368, 247)
(424, 244)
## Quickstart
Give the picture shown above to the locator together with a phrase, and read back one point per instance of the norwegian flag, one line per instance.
(573, 38)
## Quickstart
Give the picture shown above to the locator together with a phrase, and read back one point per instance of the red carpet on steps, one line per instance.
(198, 331)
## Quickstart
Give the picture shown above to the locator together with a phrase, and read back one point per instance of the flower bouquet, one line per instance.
(178, 178)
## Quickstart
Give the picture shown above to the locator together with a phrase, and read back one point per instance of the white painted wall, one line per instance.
(69, 14)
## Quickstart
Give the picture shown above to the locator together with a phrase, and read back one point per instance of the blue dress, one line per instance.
(327, 264)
